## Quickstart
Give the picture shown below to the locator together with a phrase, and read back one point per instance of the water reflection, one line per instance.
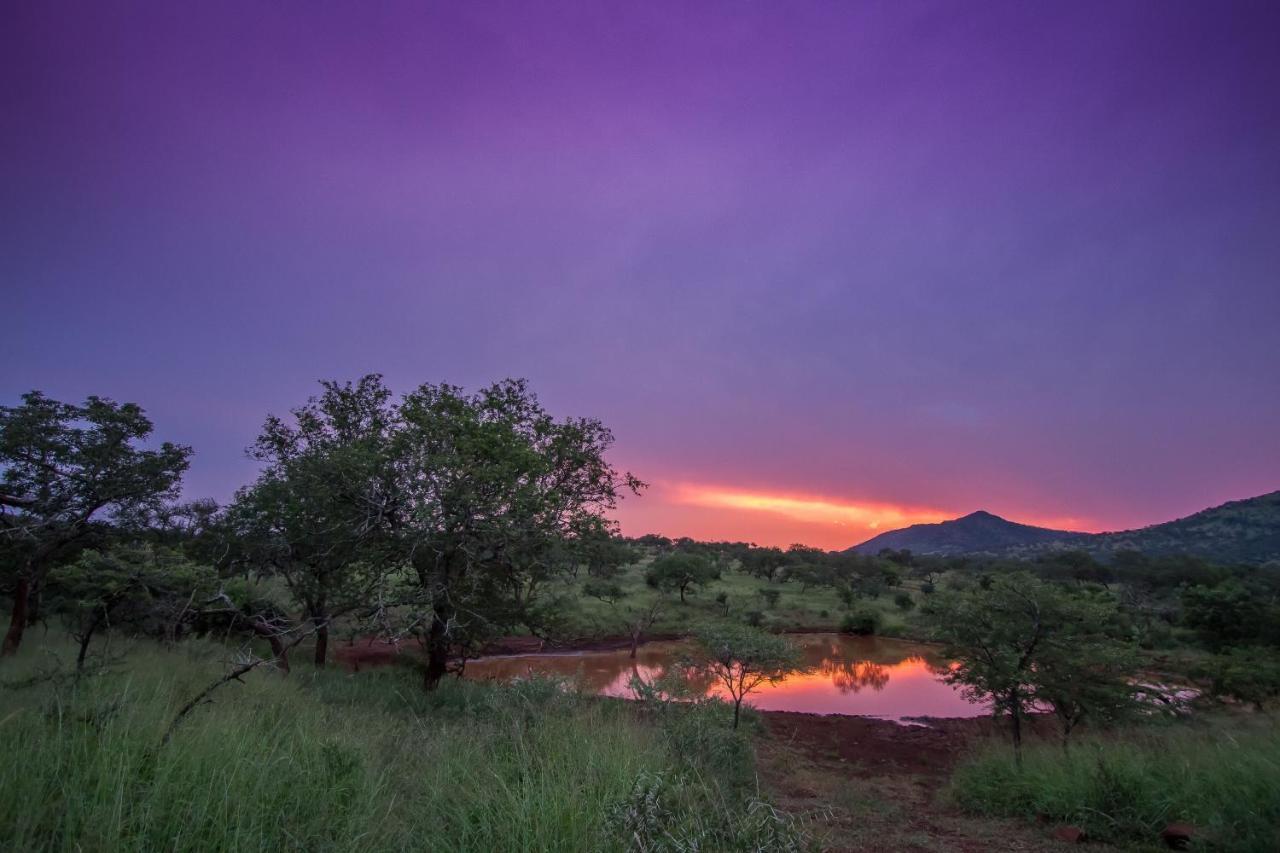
(867, 676)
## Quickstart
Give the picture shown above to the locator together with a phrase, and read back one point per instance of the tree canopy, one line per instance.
(64, 468)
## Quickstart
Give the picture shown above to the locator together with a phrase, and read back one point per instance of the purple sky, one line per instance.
(824, 267)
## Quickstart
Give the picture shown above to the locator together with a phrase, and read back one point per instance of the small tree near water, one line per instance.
(1022, 643)
(741, 659)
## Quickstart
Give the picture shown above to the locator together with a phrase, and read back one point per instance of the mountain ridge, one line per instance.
(1239, 531)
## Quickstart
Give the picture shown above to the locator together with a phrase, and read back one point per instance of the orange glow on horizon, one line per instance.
(865, 515)
(714, 512)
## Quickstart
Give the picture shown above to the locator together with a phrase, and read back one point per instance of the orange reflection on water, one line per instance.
(864, 676)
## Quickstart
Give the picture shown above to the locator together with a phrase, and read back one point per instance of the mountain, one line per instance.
(1244, 531)
(977, 532)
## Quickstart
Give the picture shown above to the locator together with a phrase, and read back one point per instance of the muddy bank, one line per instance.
(872, 746)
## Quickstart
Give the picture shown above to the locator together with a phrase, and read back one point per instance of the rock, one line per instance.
(1069, 834)
(1178, 835)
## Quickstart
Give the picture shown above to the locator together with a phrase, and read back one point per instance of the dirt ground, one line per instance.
(866, 784)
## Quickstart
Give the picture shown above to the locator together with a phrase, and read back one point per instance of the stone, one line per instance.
(1178, 835)
(1069, 834)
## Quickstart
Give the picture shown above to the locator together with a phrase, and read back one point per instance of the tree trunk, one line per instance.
(682, 595)
(84, 640)
(18, 617)
(35, 597)
(437, 648)
(1015, 722)
(322, 639)
(280, 652)
(737, 710)
(635, 641)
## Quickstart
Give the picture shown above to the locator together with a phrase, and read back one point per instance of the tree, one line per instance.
(765, 563)
(1022, 640)
(65, 468)
(148, 589)
(1223, 615)
(318, 516)
(639, 618)
(494, 498)
(604, 553)
(741, 659)
(681, 571)
(1248, 674)
(1088, 677)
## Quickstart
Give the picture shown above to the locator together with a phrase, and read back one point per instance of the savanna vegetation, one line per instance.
(169, 674)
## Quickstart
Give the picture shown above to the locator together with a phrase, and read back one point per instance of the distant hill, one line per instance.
(1245, 531)
(977, 532)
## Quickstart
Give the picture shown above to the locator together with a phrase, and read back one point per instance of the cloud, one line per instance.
(867, 515)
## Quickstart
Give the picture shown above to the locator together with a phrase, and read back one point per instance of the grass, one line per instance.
(1222, 776)
(798, 609)
(333, 761)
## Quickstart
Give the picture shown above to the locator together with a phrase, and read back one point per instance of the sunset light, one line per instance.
(857, 514)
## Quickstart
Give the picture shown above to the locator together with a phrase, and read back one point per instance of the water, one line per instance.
(864, 676)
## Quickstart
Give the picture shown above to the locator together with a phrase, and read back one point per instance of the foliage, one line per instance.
(1228, 614)
(494, 496)
(145, 589)
(1247, 674)
(316, 516)
(741, 659)
(1023, 640)
(862, 621)
(64, 467)
(681, 572)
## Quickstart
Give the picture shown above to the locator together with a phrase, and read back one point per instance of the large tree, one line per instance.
(495, 496)
(67, 467)
(318, 515)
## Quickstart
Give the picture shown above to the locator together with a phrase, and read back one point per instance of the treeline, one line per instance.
(442, 515)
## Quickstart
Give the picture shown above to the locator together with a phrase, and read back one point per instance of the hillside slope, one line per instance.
(1243, 531)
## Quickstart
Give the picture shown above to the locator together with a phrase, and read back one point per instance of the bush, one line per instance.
(904, 601)
(863, 622)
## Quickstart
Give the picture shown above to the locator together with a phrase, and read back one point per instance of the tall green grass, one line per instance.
(330, 761)
(1222, 776)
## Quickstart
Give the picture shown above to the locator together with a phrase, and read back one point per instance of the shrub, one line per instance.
(863, 622)
(904, 601)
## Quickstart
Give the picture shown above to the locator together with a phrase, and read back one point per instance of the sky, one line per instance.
(824, 268)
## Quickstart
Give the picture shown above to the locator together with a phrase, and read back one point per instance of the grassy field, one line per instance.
(1222, 775)
(797, 608)
(334, 761)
